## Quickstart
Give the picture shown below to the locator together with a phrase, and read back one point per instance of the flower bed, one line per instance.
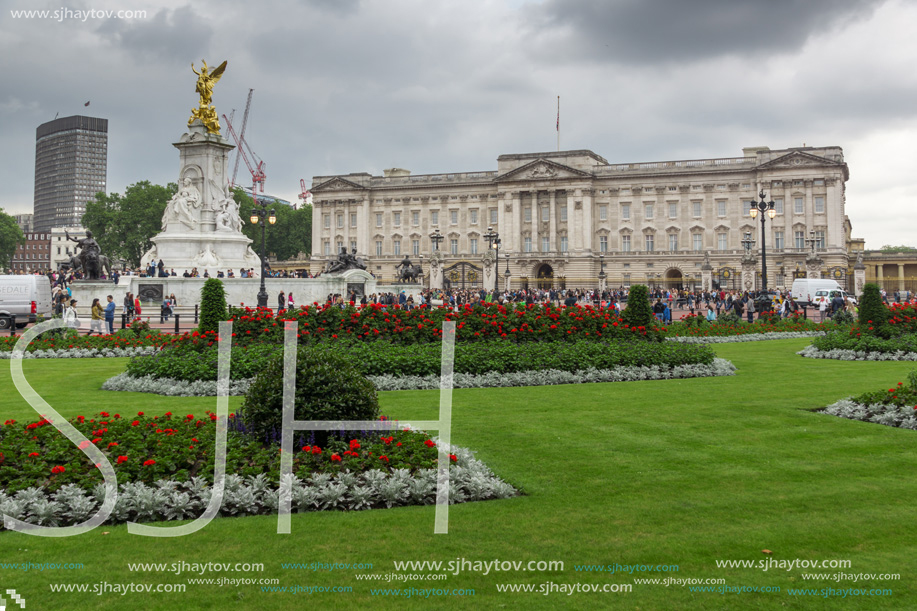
(164, 466)
(812, 352)
(749, 337)
(719, 367)
(85, 346)
(85, 353)
(513, 322)
(896, 406)
(856, 339)
(697, 326)
(381, 358)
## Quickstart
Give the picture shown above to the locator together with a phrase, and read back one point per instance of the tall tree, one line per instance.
(10, 237)
(124, 224)
(289, 236)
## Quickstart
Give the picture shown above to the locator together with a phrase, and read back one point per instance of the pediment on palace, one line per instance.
(799, 159)
(337, 184)
(542, 169)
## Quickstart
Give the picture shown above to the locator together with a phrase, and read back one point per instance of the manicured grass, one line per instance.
(679, 472)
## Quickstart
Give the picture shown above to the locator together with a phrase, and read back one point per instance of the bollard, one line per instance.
(195, 313)
(12, 325)
(176, 323)
(123, 320)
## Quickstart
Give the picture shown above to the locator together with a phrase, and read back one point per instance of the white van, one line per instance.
(804, 290)
(25, 298)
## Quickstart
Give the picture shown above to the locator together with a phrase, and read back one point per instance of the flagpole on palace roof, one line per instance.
(558, 123)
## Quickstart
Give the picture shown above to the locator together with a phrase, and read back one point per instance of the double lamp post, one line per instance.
(260, 214)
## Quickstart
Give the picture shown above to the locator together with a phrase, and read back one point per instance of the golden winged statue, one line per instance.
(205, 110)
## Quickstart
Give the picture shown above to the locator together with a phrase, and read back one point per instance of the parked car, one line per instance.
(24, 298)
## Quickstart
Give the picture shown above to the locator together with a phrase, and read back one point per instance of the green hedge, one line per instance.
(388, 359)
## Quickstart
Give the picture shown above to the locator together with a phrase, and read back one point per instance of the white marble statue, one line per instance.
(182, 205)
(207, 258)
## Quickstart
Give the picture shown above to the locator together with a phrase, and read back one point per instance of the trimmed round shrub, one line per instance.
(328, 387)
(638, 312)
(872, 312)
(213, 305)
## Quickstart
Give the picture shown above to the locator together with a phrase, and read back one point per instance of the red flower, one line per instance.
(354, 444)
(429, 443)
(307, 448)
(83, 444)
(112, 444)
(139, 413)
(103, 414)
(135, 423)
(336, 457)
(316, 450)
(149, 463)
(121, 459)
(57, 469)
(453, 457)
(383, 457)
(33, 454)
(189, 417)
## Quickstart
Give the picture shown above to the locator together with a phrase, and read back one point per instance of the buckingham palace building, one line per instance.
(562, 219)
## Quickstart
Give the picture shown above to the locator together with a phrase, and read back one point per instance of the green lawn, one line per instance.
(682, 472)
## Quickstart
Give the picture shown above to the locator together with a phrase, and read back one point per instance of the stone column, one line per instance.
(879, 277)
(748, 273)
(552, 220)
(588, 230)
(859, 278)
(363, 224)
(706, 274)
(516, 233)
(571, 221)
(536, 218)
(901, 277)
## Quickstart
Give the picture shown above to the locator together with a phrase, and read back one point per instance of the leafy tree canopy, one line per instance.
(124, 224)
(290, 235)
(10, 237)
(889, 248)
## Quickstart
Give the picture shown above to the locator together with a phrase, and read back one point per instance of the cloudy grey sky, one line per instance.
(443, 86)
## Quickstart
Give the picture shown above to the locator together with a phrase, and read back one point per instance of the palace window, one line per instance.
(697, 241)
(527, 244)
(415, 218)
(378, 219)
(696, 209)
(396, 219)
(603, 213)
(396, 245)
(563, 243)
(603, 243)
(721, 207)
(340, 221)
(819, 204)
(474, 217)
(545, 244)
(453, 217)
(648, 211)
(326, 247)
(453, 246)
(673, 242)
(545, 214)
(778, 205)
(378, 248)
(625, 243)
(415, 247)
(722, 240)
(798, 207)
(779, 240)
(353, 245)
(353, 219)
(648, 241)
(493, 216)
(563, 214)
(799, 239)
(326, 221)
(673, 211)
(625, 212)
(820, 239)
(434, 217)
(527, 213)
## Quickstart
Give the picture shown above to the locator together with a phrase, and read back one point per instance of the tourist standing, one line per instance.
(70, 317)
(281, 303)
(110, 314)
(137, 309)
(96, 316)
(291, 305)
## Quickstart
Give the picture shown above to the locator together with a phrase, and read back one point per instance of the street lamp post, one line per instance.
(768, 208)
(260, 214)
(436, 237)
(506, 274)
(601, 275)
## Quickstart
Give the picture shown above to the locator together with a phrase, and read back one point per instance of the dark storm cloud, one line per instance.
(169, 34)
(680, 31)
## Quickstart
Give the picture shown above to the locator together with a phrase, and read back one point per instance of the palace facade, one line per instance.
(564, 217)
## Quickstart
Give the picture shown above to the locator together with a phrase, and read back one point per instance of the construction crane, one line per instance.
(306, 195)
(257, 170)
(248, 105)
